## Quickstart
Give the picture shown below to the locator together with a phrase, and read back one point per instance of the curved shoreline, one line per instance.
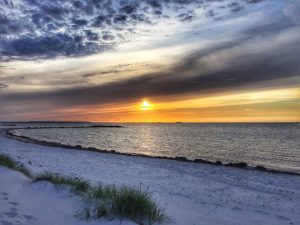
(242, 165)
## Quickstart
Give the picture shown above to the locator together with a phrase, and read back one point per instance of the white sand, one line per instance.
(24, 202)
(194, 194)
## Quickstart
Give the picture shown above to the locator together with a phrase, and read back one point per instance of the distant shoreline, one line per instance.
(242, 165)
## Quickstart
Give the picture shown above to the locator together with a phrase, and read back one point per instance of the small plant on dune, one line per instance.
(125, 202)
(103, 192)
(25, 171)
(78, 185)
(158, 214)
(85, 214)
(137, 204)
(7, 161)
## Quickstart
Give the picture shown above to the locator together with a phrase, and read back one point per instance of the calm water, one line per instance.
(272, 145)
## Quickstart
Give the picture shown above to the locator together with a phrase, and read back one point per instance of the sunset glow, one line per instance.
(201, 61)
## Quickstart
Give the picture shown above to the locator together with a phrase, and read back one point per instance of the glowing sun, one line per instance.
(146, 105)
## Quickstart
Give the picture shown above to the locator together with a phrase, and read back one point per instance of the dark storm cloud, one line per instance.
(107, 36)
(253, 1)
(187, 16)
(121, 68)
(2, 85)
(235, 6)
(128, 9)
(50, 46)
(91, 36)
(32, 29)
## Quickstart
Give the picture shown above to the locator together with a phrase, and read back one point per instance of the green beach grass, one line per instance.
(124, 202)
(8, 162)
(78, 185)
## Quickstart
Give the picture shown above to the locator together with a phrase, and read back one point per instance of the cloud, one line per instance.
(235, 6)
(249, 50)
(225, 67)
(293, 12)
(2, 85)
(253, 1)
(117, 69)
(32, 29)
(187, 16)
(50, 46)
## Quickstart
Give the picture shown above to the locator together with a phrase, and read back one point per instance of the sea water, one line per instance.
(273, 145)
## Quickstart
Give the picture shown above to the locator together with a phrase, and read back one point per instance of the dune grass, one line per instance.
(8, 162)
(124, 202)
(78, 185)
(130, 202)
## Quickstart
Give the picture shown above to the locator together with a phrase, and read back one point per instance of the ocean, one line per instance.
(272, 145)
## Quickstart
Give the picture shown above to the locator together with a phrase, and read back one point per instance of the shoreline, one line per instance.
(7, 132)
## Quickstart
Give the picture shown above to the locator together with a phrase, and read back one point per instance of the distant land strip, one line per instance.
(65, 127)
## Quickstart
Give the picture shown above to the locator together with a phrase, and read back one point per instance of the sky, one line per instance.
(150, 60)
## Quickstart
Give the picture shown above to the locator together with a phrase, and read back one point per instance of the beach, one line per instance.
(27, 203)
(199, 194)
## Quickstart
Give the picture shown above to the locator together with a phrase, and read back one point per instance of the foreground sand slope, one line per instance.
(23, 202)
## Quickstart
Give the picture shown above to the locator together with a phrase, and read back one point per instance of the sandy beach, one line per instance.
(27, 203)
(192, 193)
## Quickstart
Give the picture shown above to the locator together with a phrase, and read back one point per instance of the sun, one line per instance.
(146, 105)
